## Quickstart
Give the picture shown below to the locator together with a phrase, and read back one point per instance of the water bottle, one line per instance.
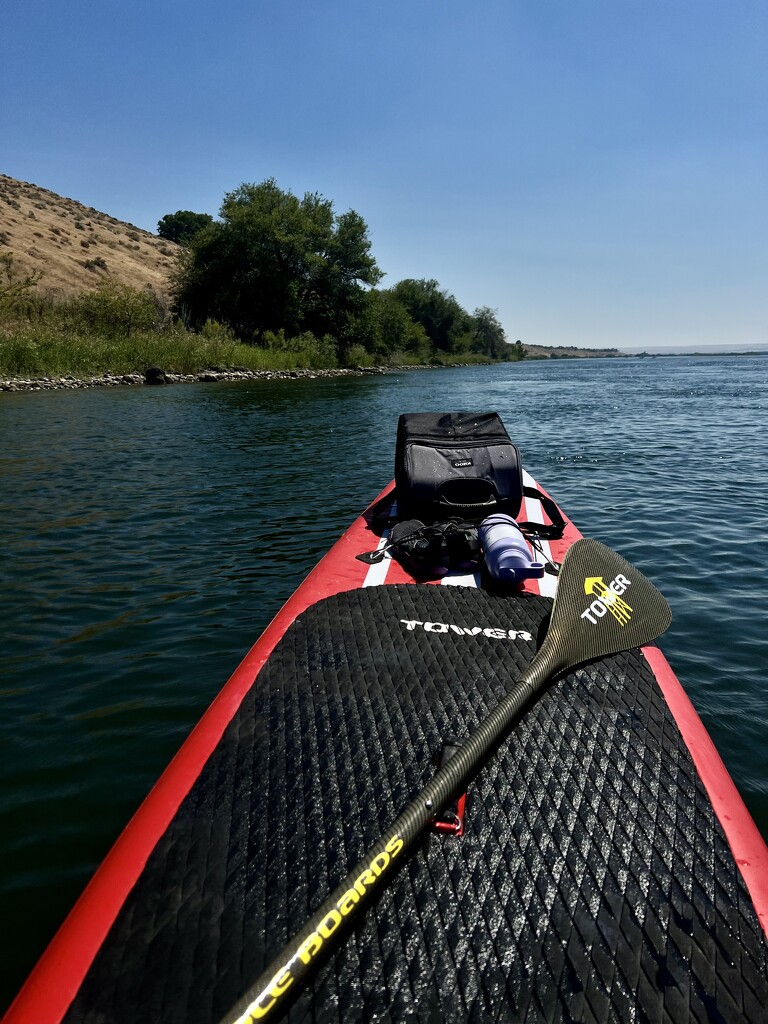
(506, 552)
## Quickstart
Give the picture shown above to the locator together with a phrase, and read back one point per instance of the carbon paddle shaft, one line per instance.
(273, 991)
(603, 605)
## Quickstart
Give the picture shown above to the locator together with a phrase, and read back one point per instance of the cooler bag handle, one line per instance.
(490, 503)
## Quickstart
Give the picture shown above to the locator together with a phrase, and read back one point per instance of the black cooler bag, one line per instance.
(455, 464)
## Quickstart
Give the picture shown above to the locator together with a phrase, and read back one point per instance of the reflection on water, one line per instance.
(150, 535)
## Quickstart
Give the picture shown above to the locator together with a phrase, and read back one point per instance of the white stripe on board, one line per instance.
(471, 579)
(535, 514)
(377, 572)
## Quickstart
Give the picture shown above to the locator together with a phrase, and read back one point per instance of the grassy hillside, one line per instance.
(76, 248)
(83, 293)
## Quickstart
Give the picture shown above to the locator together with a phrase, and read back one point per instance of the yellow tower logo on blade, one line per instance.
(607, 599)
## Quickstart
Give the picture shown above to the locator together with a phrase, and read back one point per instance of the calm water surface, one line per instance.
(150, 535)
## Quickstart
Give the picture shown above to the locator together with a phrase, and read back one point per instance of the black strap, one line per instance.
(547, 532)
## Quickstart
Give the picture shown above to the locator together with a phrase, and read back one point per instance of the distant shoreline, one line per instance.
(702, 353)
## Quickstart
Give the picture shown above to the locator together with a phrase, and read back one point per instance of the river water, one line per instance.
(151, 533)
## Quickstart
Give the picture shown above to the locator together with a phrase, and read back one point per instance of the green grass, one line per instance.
(119, 330)
(50, 344)
(42, 351)
(36, 350)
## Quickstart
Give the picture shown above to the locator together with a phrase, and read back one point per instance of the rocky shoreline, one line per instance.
(154, 376)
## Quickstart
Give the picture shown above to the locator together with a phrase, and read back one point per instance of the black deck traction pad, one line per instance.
(593, 882)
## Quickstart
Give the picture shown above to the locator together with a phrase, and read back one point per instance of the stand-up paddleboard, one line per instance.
(601, 868)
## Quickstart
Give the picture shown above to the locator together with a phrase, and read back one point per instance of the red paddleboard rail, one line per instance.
(746, 842)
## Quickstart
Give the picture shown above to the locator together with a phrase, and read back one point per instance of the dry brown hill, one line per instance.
(76, 247)
(570, 352)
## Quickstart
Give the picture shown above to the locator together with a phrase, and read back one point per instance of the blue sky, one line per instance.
(595, 170)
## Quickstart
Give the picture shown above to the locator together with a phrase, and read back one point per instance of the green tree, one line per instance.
(446, 323)
(183, 225)
(274, 262)
(488, 336)
(384, 326)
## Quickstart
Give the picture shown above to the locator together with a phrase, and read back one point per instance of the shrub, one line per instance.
(358, 356)
(309, 352)
(212, 330)
(17, 290)
(116, 310)
(98, 263)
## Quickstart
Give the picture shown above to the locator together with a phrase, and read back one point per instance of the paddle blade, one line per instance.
(603, 605)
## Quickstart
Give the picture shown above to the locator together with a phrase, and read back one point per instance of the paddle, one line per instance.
(603, 606)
